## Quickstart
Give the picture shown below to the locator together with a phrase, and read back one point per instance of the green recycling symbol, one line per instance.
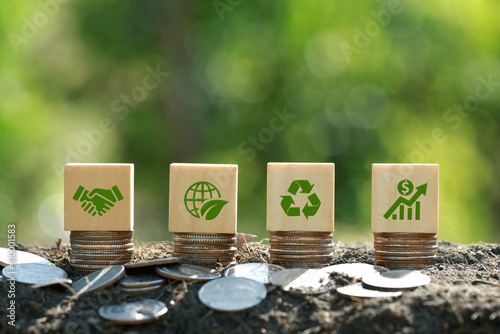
(309, 209)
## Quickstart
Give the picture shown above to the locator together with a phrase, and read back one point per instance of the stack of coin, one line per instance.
(206, 248)
(405, 250)
(301, 249)
(95, 250)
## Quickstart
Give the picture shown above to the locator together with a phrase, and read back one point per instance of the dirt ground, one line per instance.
(463, 297)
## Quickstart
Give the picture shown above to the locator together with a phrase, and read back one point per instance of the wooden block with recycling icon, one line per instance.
(300, 196)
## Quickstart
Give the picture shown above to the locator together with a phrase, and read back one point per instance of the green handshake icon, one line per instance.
(98, 201)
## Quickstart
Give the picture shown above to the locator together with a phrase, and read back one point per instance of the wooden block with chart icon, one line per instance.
(300, 196)
(405, 198)
(203, 198)
(99, 197)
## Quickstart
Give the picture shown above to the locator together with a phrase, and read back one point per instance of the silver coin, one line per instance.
(153, 262)
(20, 257)
(33, 273)
(358, 291)
(141, 281)
(301, 281)
(355, 270)
(140, 312)
(57, 281)
(98, 279)
(143, 289)
(396, 279)
(259, 272)
(93, 267)
(102, 233)
(83, 247)
(229, 294)
(188, 272)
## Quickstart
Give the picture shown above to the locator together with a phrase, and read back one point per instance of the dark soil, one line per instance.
(463, 297)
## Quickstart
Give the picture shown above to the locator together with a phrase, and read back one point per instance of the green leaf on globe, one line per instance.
(212, 208)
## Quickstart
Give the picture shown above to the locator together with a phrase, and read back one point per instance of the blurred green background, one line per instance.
(361, 82)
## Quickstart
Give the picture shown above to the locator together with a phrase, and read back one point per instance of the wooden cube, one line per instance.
(405, 198)
(300, 196)
(99, 197)
(203, 198)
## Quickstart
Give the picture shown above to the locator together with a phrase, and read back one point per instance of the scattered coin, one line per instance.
(358, 291)
(33, 273)
(188, 272)
(396, 279)
(143, 290)
(99, 279)
(229, 294)
(301, 281)
(259, 272)
(153, 262)
(20, 257)
(56, 282)
(142, 281)
(356, 270)
(140, 312)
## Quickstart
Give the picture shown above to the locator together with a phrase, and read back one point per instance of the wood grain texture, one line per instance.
(423, 213)
(222, 177)
(279, 178)
(119, 217)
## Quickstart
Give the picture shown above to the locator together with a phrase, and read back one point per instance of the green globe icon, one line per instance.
(203, 199)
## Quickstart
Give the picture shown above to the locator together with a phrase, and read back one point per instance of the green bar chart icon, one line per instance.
(409, 208)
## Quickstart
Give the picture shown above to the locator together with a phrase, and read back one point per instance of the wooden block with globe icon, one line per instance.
(405, 215)
(202, 211)
(300, 213)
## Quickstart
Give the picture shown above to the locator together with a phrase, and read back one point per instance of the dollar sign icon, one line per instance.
(405, 187)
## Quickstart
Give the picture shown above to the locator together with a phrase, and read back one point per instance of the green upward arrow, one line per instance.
(421, 190)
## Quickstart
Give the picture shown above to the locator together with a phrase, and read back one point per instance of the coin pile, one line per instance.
(405, 250)
(95, 250)
(206, 248)
(301, 249)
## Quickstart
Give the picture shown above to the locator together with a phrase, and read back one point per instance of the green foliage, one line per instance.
(362, 82)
